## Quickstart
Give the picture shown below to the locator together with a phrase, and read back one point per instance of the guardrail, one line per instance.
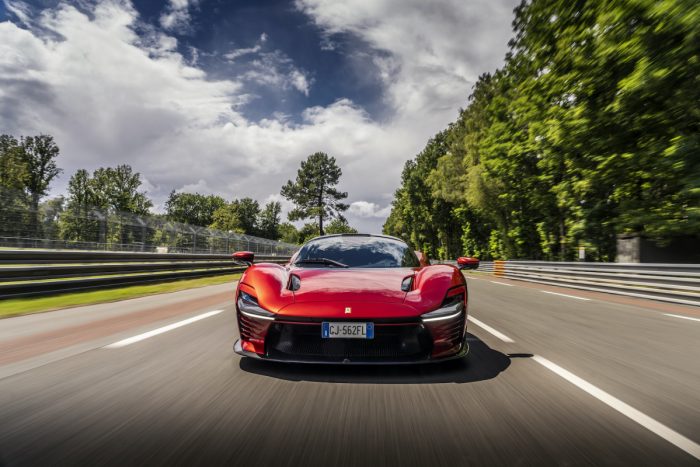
(72, 257)
(676, 283)
(26, 273)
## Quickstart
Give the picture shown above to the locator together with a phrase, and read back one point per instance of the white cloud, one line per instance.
(367, 209)
(235, 53)
(299, 81)
(176, 16)
(201, 187)
(271, 68)
(21, 10)
(110, 96)
(433, 51)
(275, 69)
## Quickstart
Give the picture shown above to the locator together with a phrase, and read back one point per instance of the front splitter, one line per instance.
(461, 354)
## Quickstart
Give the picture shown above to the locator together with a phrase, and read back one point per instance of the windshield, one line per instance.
(357, 252)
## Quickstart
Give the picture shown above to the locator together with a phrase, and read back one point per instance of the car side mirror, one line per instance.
(465, 262)
(244, 257)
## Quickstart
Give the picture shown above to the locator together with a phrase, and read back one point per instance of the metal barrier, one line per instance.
(69, 257)
(36, 272)
(44, 272)
(676, 283)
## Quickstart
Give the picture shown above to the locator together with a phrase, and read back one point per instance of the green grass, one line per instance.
(23, 306)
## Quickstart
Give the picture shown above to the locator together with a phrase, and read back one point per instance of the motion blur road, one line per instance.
(573, 379)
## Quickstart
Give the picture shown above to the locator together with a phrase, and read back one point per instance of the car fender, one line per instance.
(430, 285)
(268, 282)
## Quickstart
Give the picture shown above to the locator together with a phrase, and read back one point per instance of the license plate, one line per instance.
(346, 330)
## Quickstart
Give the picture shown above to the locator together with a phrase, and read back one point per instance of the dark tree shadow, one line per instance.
(483, 363)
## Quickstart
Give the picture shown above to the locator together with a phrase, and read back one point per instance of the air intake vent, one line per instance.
(294, 282)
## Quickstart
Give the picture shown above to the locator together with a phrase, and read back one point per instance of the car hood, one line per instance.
(350, 285)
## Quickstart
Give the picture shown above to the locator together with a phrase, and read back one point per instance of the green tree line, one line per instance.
(313, 193)
(114, 196)
(589, 130)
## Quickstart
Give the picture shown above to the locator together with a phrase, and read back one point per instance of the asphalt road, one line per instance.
(551, 380)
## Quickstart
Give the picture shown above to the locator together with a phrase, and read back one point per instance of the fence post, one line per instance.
(499, 268)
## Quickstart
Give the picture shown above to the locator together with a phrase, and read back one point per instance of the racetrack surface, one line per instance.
(550, 381)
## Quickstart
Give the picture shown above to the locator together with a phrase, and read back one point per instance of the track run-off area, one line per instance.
(556, 376)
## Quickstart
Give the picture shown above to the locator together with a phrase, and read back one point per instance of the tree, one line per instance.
(13, 197)
(77, 223)
(339, 226)
(192, 208)
(27, 168)
(314, 193)
(423, 220)
(308, 231)
(589, 130)
(13, 168)
(38, 153)
(118, 189)
(249, 211)
(51, 211)
(240, 216)
(288, 233)
(227, 218)
(269, 220)
(105, 199)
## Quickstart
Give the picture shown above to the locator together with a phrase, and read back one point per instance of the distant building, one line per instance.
(634, 248)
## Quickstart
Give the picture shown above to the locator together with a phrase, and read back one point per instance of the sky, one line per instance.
(228, 97)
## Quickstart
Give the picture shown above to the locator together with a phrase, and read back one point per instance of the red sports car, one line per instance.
(352, 299)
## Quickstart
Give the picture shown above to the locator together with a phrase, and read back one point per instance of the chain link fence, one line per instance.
(51, 227)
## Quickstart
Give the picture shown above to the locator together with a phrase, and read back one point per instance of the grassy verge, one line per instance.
(23, 306)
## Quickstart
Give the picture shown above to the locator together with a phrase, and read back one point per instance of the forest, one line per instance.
(589, 130)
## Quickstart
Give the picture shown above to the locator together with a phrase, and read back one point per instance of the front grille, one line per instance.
(392, 342)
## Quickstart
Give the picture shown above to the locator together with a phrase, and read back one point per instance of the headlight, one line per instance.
(248, 305)
(452, 307)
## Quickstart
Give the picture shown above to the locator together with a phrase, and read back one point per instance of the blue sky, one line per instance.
(278, 34)
(228, 97)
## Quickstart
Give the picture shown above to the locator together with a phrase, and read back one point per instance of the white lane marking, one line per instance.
(155, 332)
(630, 412)
(683, 317)
(488, 328)
(564, 295)
(501, 283)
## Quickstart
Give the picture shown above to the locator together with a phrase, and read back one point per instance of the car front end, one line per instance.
(374, 333)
